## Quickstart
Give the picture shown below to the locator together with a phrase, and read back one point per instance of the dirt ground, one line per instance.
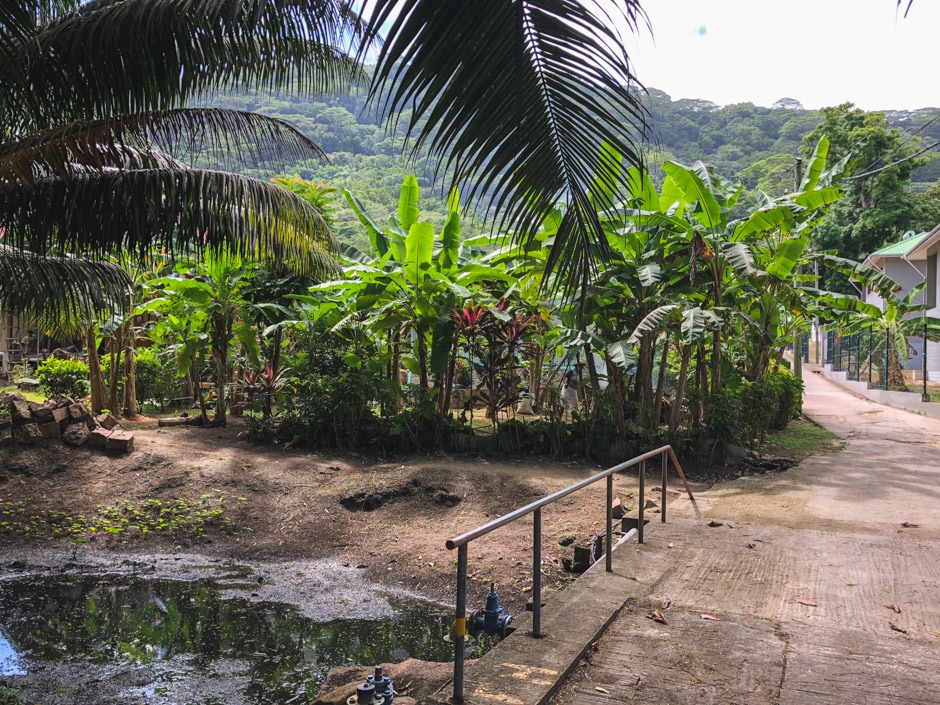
(286, 504)
(390, 516)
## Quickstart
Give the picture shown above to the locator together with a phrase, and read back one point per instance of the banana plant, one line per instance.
(403, 293)
(900, 317)
(210, 295)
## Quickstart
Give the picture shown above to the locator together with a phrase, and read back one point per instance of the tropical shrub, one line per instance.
(68, 377)
(155, 375)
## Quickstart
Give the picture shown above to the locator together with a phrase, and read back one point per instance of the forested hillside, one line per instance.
(754, 144)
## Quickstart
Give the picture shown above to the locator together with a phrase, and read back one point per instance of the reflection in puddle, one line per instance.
(194, 630)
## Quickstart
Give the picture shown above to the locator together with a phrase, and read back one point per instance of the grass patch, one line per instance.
(10, 696)
(802, 438)
(182, 519)
(30, 396)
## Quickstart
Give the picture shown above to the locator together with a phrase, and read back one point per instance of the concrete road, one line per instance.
(820, 594)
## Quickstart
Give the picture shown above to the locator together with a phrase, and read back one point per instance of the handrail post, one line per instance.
(461, 624)
(639, 530)
(537, 573)
(609, 540)
(665, 459)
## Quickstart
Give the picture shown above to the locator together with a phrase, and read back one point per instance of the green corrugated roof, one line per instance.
(901, 247)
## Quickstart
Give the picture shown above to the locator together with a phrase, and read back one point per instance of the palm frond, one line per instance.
(138, 141)
(177, 210)
(60, 291)
(114, 57)
(514, 99)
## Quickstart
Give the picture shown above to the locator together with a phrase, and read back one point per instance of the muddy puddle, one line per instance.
(129, 639)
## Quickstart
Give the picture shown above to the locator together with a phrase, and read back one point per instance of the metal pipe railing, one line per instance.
(535, 508)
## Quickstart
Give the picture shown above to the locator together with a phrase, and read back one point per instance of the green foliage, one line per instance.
(10, 696)
(68, 377)
(183, 519)
(877, 208)
(155, 375)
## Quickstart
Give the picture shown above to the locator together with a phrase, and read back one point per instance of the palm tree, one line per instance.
(512, 97)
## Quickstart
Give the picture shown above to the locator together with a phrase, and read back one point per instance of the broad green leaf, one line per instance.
(693, 188)
(353, 360)
(622, 354)
(411, 364)
(376, 237)
(450, 241)
(741, 258)
(814, 200)
(766, 220)
(419, 248)
(788, 254)
(816, 165)
(649, 274)
(671, 196)
(408, 202)
(642, 190)
(650, 322)
(442, 340)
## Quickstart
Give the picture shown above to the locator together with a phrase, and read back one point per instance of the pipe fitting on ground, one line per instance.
(365, 695)
(383, 686)
(491, 619)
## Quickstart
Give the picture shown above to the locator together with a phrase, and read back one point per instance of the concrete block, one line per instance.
(19, 410)
(6, 437)
(6, 419)
(41, 413)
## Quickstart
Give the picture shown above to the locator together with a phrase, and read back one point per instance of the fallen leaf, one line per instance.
(909, 525)
(808, 603)
(714, 522)
(896, 628)
(657, 616)
(710, 617)
(750, 545)
(601, 690)
(670, 545)
(666, 603)
(894, 607)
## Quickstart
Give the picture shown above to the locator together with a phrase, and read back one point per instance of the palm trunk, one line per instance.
(896, 378)
(117, 347)
(130, 387)
(95, 378)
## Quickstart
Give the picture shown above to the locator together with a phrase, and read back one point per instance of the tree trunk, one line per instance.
(701, 381)
(117, 347)
(422, 361)
(660, 384)
(896, 378)
(95, 378)
(680, 389)
(592, 369)
(396, 369)
(716, 361)
(616, 383)
(130, 386)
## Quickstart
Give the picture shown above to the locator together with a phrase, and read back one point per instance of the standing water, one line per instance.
(192, 643)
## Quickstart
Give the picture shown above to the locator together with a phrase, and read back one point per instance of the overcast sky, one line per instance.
(820, 52)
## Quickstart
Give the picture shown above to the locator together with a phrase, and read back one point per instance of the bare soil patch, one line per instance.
(388, 515)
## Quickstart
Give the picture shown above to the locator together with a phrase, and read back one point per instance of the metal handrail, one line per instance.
(535, 508)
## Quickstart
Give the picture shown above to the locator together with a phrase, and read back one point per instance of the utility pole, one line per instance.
(798, 336)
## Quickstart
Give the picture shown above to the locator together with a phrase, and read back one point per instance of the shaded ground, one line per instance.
(823, 580)
(290, 505)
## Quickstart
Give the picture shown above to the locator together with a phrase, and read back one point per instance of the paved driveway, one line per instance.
(821, 595)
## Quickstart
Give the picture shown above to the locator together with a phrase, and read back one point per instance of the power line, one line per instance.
(899, 161)
(909, 138)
